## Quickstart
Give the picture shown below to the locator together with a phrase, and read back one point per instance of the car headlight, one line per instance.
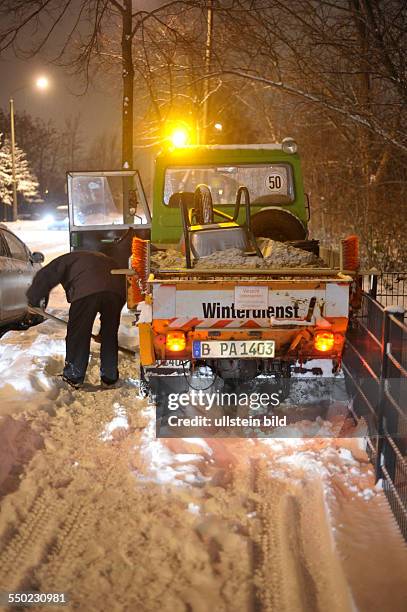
(289, 145)
(48, 219)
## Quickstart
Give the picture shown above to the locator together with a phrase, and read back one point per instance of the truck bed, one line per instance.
(249, 274)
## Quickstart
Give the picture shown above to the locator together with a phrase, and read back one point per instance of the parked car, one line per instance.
(17, 269)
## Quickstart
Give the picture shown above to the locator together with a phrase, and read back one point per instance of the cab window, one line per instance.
(16, 247)
(112, 199)
(268, 184)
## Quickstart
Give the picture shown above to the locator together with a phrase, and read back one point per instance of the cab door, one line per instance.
(106, 211)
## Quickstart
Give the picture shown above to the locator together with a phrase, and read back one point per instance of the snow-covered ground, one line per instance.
(94, 505)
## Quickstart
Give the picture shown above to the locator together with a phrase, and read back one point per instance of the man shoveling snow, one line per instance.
(91, 289)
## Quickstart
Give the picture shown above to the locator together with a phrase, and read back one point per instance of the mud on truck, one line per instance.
(223, 278)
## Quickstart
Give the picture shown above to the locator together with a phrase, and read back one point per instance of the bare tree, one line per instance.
(330, 72)
(104, 152)
(72, 142)
(94, 33)
(347, 56)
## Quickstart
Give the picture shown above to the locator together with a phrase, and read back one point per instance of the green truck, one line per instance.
(197, 317)
(109, 208)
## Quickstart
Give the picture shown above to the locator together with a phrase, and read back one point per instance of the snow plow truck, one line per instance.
(207, 294)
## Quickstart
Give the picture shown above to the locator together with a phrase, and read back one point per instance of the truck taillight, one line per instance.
(324, 341)
(176, 341)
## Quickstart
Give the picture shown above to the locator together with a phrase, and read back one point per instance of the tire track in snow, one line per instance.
(269, 578)
(69, 541)
(307, 589)
(298, 568)
(318, 551)
(26, 547)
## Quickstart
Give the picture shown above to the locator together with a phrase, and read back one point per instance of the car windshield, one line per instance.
(267, 183)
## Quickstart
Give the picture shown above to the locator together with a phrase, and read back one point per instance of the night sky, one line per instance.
(58, 102)
(99, 107)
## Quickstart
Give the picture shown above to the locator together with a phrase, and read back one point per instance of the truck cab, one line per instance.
(271, 172)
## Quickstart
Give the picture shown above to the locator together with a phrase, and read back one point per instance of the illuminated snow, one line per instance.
(118, 422)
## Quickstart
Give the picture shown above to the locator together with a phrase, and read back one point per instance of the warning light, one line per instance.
(176, 341)
(178, 133)
(324, 341)
(179, 137)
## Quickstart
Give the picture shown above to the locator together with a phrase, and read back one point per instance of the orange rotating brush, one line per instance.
(350, 253)
(139, 262)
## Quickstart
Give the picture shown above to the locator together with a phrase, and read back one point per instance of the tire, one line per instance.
(203, 205)
(279, 225)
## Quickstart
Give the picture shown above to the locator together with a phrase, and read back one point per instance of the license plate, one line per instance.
(246, 349)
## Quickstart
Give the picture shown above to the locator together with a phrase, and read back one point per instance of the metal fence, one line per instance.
(375, 366)
(388, 288)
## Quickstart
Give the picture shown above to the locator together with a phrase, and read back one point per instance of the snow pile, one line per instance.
(29, 364)
(276, 255)
(162, 465)
(186, 514)
(119, 422)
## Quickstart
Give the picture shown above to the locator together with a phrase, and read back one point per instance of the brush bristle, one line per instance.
(139, 263)
(350, 253)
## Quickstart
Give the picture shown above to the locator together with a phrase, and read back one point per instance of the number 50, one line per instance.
(274, 181)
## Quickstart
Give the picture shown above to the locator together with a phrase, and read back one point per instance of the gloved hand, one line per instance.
(39, 304)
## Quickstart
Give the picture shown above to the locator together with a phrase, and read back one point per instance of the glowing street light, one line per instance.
(41, 83)
(218, 126)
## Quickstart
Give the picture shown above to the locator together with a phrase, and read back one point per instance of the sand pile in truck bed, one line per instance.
(276, 255)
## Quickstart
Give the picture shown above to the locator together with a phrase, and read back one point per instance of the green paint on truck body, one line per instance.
(166, 221)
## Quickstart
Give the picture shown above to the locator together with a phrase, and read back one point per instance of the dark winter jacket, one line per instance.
(81, 273)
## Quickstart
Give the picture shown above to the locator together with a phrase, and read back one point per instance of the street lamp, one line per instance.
(41, 83)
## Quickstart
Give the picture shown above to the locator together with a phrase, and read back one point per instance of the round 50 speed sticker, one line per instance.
(276, 182)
